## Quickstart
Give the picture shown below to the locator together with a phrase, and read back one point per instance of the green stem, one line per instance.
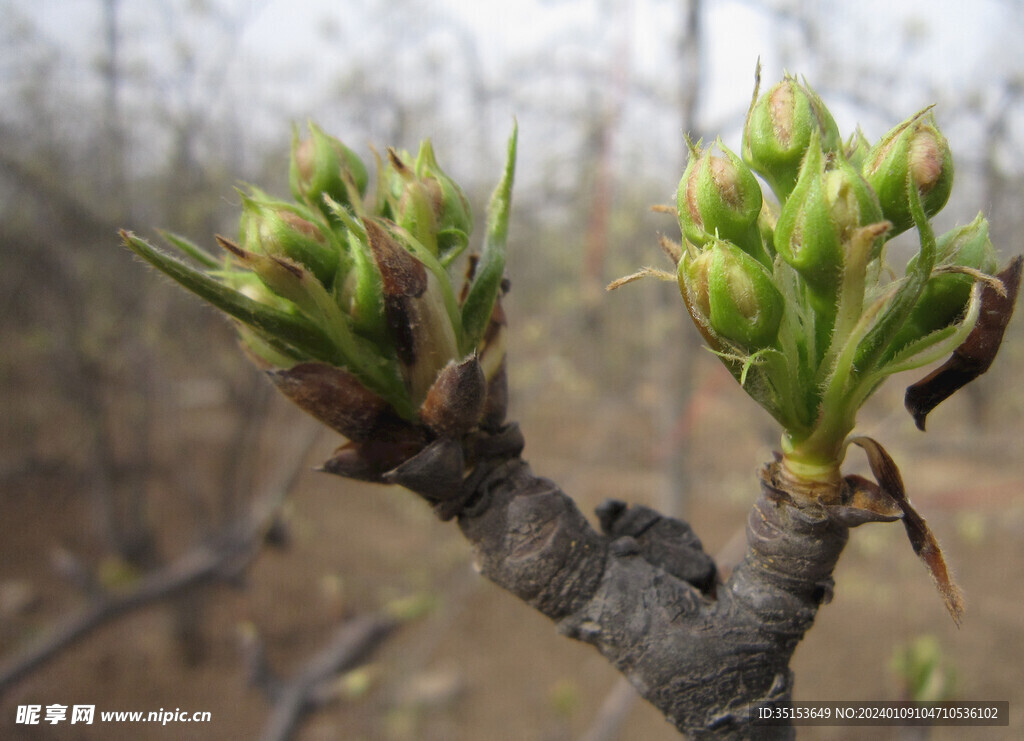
(851, 292)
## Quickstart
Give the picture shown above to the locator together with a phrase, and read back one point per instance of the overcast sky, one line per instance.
(961, 41)
(290, 55)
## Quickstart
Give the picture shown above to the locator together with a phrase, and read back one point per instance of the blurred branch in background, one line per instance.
(315, 683)
(224, 558)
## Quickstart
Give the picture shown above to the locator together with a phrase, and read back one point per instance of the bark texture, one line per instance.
(642, 590)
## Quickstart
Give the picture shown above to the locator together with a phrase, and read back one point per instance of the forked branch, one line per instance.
(643, 591)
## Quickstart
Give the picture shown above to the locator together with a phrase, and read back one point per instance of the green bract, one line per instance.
(797, 299)
(357, 307)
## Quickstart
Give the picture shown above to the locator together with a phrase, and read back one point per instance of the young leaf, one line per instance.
(296, 330)
(191, 249)
(476, 309)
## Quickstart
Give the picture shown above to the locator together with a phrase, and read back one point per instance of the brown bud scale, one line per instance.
(455, 401)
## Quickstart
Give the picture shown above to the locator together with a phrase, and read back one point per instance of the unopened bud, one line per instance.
(720, 197)
(778, 131)
(693, 270)
(730, 296)
(852, 202)
(806, 236)
(321, 165)
(453, 220)
(915, 151)
(746, 307)
(968, 246)
(409, 203)
(945, 295)
(830, 201)
(279, 229)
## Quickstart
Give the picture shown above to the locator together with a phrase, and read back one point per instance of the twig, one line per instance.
(221, 559)
(196, 567)
(613, 712)
(351, 646)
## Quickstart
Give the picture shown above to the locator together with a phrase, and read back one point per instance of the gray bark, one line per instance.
(642, 591)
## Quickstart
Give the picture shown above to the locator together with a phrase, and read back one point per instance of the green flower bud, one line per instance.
(968, 246)
(731, 296)
(746, 307)
(453, 220)
(945, 295)
(852, 202)
(360, 294)
(917, 150)
(817, 222)
(279, 229)
(778, 131)
(322, 165)
(806, 236)
(719, 196)
(408, 202)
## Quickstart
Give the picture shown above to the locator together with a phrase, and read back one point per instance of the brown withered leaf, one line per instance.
(863, 501)
(471, 264)
(396, 161)
(401, 273)
(923, 541)
(254, 260)
(336, 398)
(975, 355)
(233, 247)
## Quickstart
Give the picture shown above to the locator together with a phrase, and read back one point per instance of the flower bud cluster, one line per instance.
(793, 293)
(351, 300)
